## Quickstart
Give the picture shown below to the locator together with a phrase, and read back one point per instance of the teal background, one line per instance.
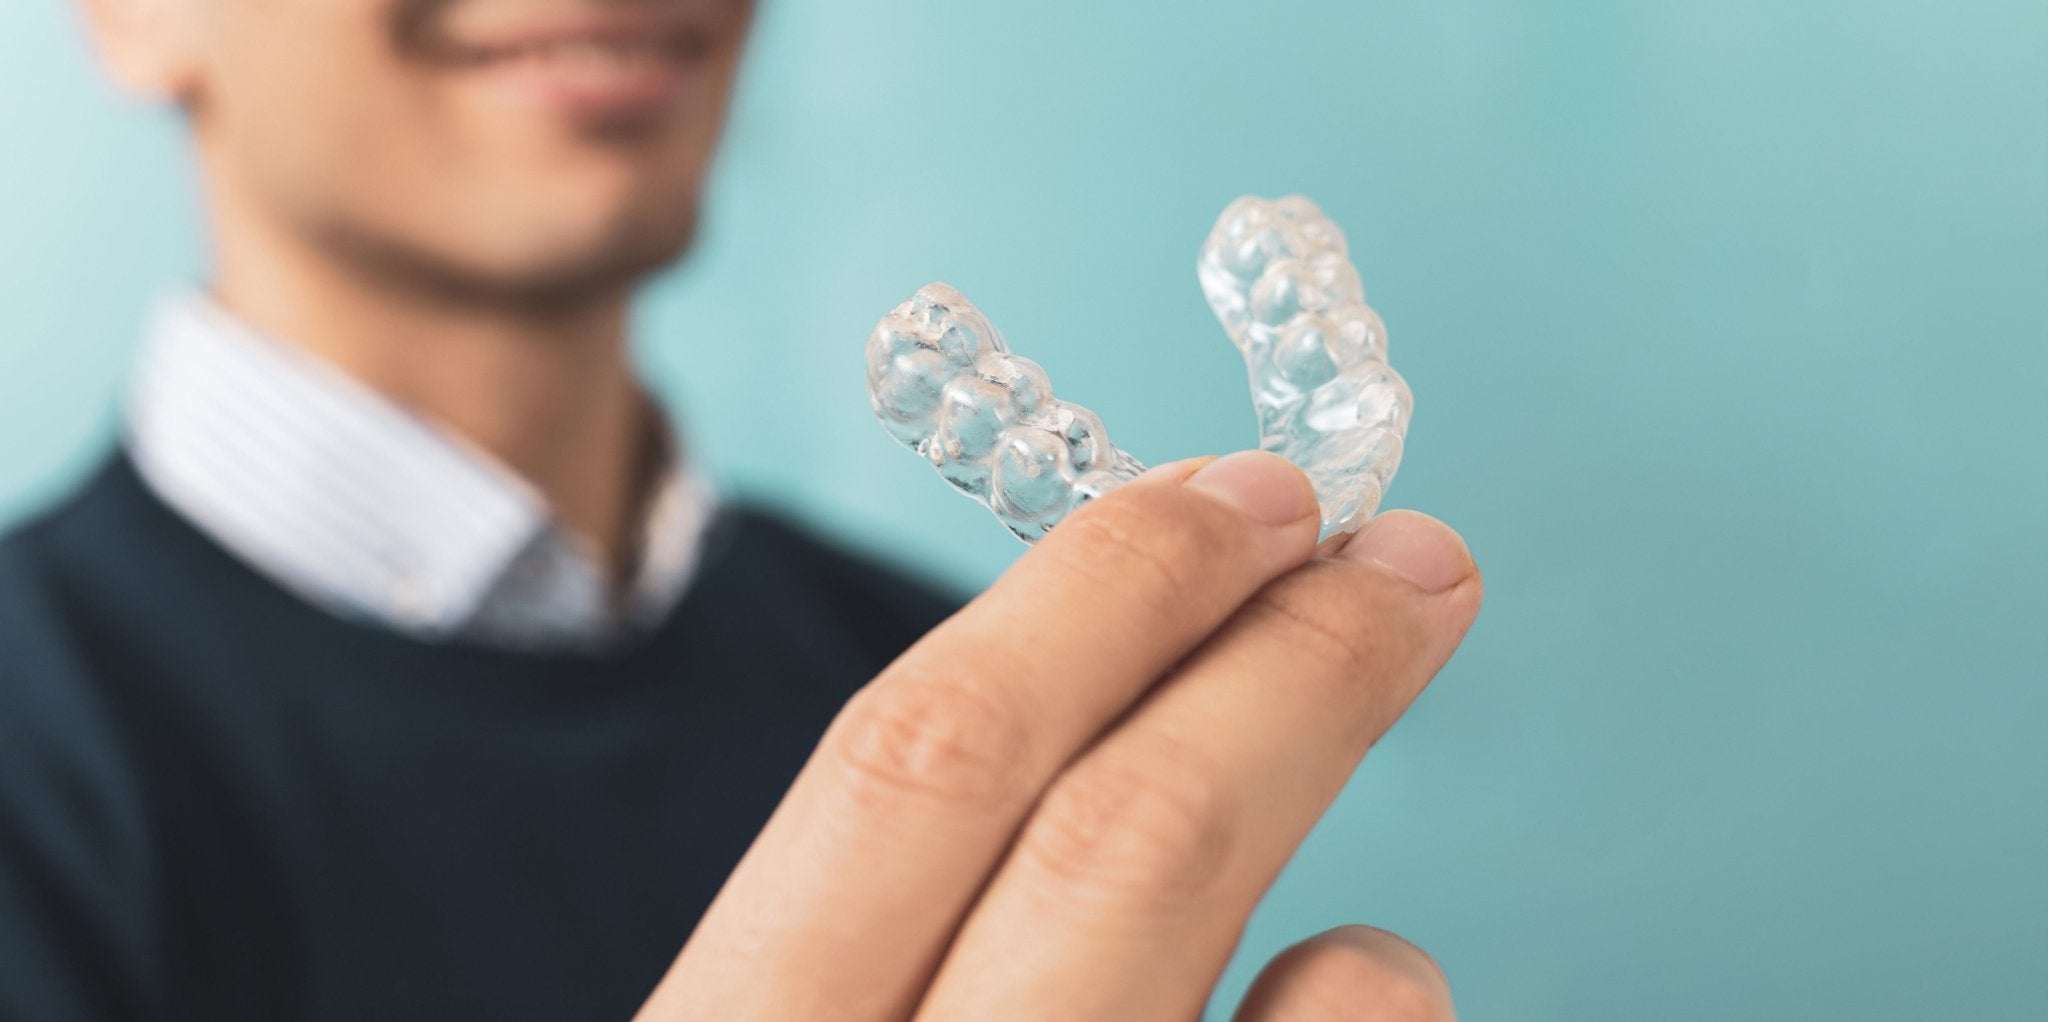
(1726, 325)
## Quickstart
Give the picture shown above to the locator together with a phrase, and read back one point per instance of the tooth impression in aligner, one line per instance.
(1277, 276)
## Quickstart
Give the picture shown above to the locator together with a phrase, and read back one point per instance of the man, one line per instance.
(398, 664)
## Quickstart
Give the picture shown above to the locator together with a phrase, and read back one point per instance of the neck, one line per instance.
(551, 394)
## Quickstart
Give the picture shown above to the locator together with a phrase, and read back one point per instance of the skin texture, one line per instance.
(1062, 803)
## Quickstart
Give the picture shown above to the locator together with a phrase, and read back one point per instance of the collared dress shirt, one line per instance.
(371, 510)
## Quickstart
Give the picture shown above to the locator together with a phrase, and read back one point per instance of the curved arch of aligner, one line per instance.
(1277, 275)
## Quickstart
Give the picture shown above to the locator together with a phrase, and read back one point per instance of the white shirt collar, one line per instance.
(354, 502)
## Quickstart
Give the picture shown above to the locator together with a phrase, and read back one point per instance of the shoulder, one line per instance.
(81, 530)
(73, 838)
(69, 570)
(72, 666)
(59, 645)
(40, 565)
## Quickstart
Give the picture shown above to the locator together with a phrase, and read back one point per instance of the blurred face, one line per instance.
(508, 148)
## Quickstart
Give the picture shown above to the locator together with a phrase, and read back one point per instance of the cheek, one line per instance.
(305, 94)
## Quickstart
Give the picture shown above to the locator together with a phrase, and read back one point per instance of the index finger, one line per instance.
(848, 898)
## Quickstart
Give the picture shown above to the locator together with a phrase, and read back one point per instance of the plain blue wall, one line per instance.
(1726, 322)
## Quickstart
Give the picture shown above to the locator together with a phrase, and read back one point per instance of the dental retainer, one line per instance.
(1278, 277)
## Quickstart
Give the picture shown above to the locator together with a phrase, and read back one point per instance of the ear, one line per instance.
(149, 47)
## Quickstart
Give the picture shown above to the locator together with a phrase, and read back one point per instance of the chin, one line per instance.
(607, 232)
(527, 267)
(602, 270)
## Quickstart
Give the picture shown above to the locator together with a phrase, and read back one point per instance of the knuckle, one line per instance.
(1131, 543)
(1340, 618)
(935, 742)
(1163, 539)
(1146, 830)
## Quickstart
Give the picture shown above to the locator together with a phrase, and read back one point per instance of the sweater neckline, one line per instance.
(121, 493)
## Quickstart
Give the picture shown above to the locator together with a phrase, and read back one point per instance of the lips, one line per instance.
(604, 65)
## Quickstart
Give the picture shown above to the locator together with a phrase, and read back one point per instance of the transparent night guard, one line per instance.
(1277, 275)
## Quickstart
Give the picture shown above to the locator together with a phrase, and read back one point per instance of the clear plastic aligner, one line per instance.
(1280, 280)
(1276, 274)
(945, 385)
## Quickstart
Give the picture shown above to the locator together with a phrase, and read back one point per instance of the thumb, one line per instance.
(1352, 973)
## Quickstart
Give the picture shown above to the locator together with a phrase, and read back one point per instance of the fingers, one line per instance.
(846, 901)
(1349, 974)
(1127, 889)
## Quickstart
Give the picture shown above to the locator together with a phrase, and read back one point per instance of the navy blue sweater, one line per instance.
(219, 802)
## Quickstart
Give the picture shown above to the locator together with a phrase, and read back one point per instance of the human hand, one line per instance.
(1064, 802)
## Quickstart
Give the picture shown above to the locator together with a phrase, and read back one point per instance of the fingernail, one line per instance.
(1266, 487)
(1426, 552)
